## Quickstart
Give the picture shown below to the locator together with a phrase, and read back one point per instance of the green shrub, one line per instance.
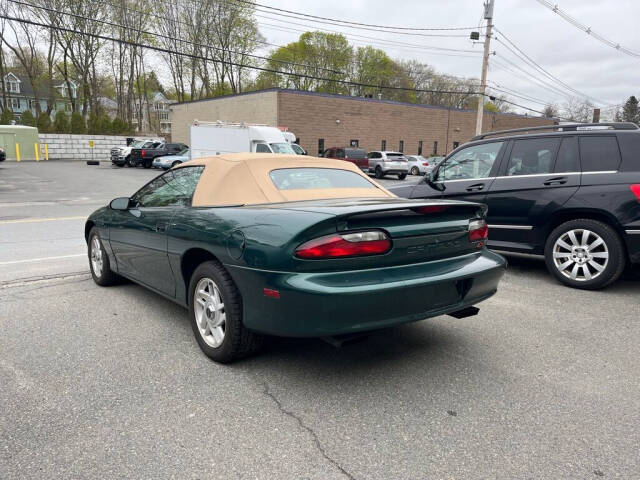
(6, 117)
(61, 122)
(44, 123)
(118, 126)
(78, 125)
(28, 119)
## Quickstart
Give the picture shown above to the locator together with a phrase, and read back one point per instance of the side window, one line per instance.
(532, 156)
(568, 156)
(262, 148)
(599, 153)
(471, 162)
(174, 188)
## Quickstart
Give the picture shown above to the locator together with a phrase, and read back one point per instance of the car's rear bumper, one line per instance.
(334, 303)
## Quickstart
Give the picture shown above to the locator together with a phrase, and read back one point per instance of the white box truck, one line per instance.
(215, 138)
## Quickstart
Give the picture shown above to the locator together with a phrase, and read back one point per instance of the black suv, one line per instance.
(571, 194)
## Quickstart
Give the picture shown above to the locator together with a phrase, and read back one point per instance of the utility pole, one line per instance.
(488, 15)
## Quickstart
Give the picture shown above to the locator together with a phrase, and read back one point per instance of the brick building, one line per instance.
(321, 121)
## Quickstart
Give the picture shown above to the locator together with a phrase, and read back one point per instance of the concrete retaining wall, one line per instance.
(76, 147)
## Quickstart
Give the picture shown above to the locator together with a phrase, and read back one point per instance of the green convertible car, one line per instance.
(286, 245)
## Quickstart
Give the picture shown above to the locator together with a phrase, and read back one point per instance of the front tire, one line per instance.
(127, 161)
(402, 176)
(415, 171)
(585, 254)
(177, 162)
(215, 309)
(378, 172)
(147, 163)
(99, 261)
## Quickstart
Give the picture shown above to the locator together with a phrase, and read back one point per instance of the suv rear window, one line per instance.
(599, 153)
(355, 153)
(317, 178)
(395, 156)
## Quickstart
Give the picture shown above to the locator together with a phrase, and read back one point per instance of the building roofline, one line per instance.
(348, 97)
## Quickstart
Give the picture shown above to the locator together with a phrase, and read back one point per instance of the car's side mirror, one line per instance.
(430, 179)
(120, 203)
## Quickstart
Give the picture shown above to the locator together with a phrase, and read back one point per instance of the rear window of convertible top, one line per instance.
(317, 178)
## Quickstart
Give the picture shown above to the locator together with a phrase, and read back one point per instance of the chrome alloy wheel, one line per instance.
(580, 255)
(96, 256)
(210, 313)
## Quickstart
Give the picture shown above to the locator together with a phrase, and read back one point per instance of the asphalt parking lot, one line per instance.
(110, 383)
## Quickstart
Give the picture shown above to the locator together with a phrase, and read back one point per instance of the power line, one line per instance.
(587, 30)
(528, 59)
(333, 20)
(236, 64)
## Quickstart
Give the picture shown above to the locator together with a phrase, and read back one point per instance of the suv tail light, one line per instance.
(478, 230)
(355, 244)
(142, 152)
(635, 189)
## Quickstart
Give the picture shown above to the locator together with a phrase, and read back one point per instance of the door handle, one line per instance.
(161, 227)
(556, 181)
(475, 187)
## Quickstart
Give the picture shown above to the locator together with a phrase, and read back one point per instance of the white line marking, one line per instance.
(44, 259)
(33, 220)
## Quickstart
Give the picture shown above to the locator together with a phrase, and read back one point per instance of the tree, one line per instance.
(78, 125)
(7, 116)
(372, 66)
(550, 111)
(118, 126)
(93, 124)
(105, 126)
(28, 119)
(578, 110)
(61, 122)
(630, 111)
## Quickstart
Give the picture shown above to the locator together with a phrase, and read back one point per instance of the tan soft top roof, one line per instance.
(243, 179)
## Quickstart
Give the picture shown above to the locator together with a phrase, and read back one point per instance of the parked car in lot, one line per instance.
(121, 156)
(169, 161)
(568, 192)
(286, 245)
(382, 163)
(145, 156)
(357, 156)
(419, 165)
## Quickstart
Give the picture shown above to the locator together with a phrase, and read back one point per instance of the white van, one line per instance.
(215, 138)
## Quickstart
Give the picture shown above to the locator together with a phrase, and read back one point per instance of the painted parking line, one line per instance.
(37, 220)
(43, 259)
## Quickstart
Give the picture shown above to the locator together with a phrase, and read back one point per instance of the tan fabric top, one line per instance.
(243, 179)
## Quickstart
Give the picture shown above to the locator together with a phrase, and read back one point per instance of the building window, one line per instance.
(164, 116)
(420, 147)
(15, 103)
(14, 87)
(435, 148)
(32, 104)
(67, 107)
(401, 146)
(354, 143)
(383, 146)
(456, 145)
(320, 146)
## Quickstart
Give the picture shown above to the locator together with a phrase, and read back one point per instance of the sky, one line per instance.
(596, 70)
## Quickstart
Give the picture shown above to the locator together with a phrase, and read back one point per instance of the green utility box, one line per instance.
(25, 137)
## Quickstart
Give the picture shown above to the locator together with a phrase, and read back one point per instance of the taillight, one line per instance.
(478, 230)
(431, 209)
(142, 153)
(426, 164)
(635, 189)
(355, 244)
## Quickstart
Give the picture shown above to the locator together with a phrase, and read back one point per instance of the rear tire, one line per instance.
(99, 261)
(378, 172)
(215, 309)
(402, 176)
(147, 163)
(177, 162)
(585, 254)
(415, 171)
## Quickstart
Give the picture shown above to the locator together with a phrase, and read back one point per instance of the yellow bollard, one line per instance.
(18, 152)
(46, 151)
(37, 150)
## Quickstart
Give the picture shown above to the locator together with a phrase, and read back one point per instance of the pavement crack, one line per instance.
(267, 392)
(20, 282)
